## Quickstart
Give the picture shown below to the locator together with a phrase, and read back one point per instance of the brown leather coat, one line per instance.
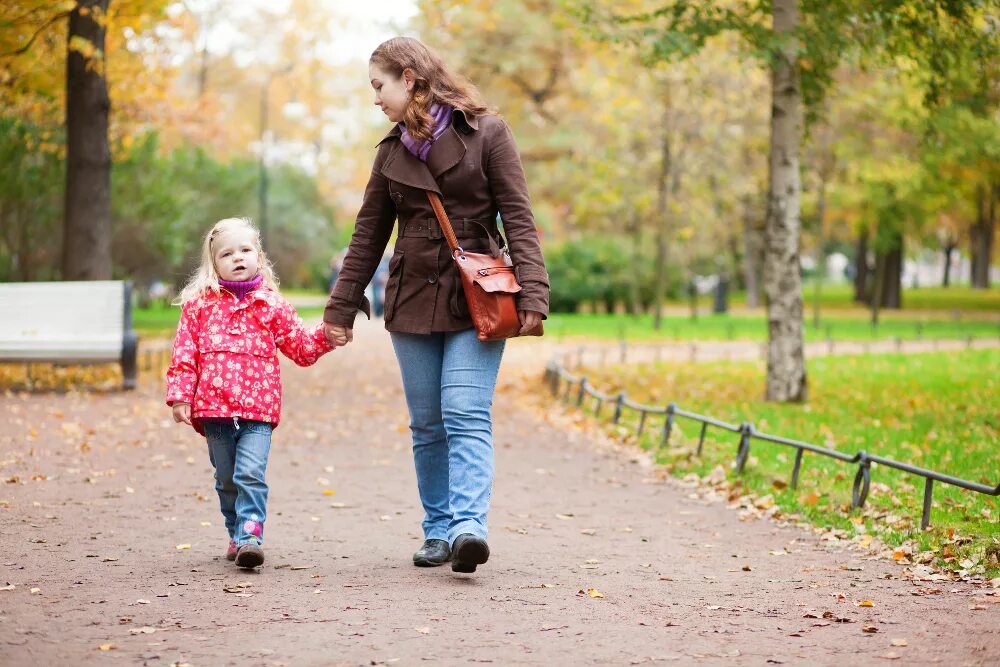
(476, 169)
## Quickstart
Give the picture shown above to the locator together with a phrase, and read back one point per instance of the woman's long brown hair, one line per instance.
(433, 82)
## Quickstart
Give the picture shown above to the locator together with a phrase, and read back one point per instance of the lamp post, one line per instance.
(262, 182)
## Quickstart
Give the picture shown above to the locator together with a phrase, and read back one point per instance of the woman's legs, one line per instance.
(420, 359)
(468, 380)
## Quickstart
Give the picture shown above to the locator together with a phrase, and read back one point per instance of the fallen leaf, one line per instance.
(564, 517)
(110, 559)
(871, 629)
(107, 647)
(144, 630)
(338, 506)
(747, 568)
(329, 492)
(891, 655)
(594, 593)
(300, 567)
(8, 587)
(181, 547)
(140, 601)
(898, 642)
(423, 631)
(588, 531)
(36, 590)
(866, 603)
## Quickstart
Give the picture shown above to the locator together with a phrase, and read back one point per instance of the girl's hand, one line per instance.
(182, 413)
(337, 335)
(529, 320)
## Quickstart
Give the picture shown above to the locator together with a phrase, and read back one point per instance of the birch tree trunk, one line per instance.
(786, 373)
(662, 200)
(87, 213)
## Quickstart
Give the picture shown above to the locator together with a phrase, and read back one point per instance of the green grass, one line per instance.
(159, 321)
(937, 411)
(943, 299)
(840, 326)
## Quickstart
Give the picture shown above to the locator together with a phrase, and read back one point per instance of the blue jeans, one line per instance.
(449, 379)
(239, 456)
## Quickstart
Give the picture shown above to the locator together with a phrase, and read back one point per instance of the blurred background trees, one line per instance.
(644, 126)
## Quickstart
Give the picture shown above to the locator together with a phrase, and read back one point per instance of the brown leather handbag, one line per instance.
(488, 282)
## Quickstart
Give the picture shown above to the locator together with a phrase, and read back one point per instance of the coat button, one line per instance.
(433, 278)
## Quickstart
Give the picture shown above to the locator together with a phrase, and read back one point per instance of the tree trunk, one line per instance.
(786, 372)
(861, 273)
(981, 236)
(892, 288)
(948, 249)
(635, 281)
(752, 249)
(87, 213)
(663, 227)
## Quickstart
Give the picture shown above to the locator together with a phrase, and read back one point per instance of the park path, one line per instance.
(110, 538)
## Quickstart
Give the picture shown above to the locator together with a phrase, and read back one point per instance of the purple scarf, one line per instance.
(242, 287)
(440, 114)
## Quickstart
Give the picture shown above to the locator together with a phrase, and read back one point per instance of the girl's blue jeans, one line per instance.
(449, 380)
(238, 451)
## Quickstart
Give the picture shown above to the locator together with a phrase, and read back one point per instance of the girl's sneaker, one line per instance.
(249, 555)
(231, 551)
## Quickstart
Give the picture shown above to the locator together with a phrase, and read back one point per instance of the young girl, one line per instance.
(224, 378)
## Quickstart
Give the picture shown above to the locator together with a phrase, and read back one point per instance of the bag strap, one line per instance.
(446, 228)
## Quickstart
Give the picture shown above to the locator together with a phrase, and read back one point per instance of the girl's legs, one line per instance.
(222, 454)
(420, 359)
(468, 380)
(253, 443)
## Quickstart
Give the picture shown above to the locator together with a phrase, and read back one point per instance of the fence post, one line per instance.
(925, 518)
(619, 404)
(701, 438)
(668, 425)
(583, 391)
(743, 452)
(798, 466)
(862, 481)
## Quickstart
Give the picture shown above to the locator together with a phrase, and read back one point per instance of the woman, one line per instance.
(445, 139)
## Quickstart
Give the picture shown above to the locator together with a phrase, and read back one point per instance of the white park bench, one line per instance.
(83, 322)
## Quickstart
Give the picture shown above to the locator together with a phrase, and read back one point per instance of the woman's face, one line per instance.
(392, 94)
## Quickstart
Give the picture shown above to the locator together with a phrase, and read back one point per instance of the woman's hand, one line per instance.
(337, 335)
(182, 412)
(529, 320)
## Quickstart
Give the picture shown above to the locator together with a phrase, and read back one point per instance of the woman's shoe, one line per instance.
(249, 556)
(468, 552)
(231, 550)
(432, 554)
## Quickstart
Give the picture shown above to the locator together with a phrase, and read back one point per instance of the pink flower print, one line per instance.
(255, 528)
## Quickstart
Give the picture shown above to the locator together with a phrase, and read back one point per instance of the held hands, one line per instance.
(337, 335)
(529, 320)
(182, 413)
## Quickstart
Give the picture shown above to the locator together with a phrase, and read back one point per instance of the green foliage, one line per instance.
(606, 270)
(163, 202)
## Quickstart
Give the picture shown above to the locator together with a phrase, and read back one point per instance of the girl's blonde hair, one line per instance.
(206, 277)
(433, 82)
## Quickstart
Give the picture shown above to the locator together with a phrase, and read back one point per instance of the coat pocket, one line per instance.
(392, 284)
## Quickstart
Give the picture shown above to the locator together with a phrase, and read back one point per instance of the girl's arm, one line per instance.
(302, 345)
(182, 374)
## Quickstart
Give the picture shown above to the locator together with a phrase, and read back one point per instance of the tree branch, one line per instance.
(44, 26)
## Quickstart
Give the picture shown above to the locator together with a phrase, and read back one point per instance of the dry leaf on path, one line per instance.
(182, 547)
(898, 642)
(866, 603)
(594, 593)
(107, 647)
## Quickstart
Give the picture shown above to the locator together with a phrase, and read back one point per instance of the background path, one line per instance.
(108, 510)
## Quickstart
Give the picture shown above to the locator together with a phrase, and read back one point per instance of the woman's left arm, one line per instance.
(510, 190)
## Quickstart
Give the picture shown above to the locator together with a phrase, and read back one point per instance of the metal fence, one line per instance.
(577, 388)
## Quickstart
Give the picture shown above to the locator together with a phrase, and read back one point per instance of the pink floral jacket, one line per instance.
(225, 355)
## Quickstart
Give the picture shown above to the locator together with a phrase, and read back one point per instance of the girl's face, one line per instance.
(235, 255)
(391, 94)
